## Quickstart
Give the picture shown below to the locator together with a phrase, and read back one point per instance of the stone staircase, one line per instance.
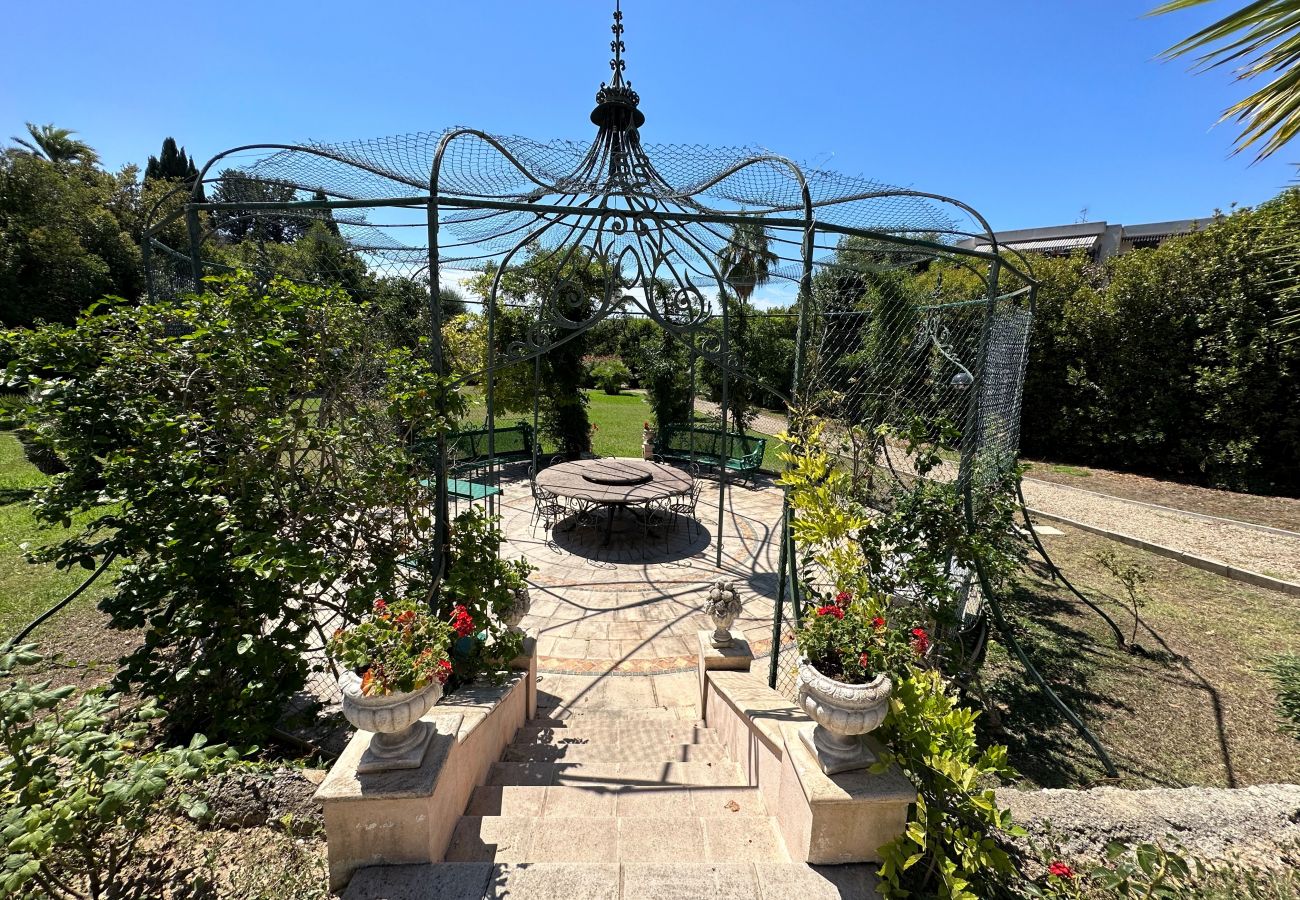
(614, 805)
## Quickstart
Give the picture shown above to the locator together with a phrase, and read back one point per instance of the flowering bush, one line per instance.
(397, 649)
(850, 639)
(479, 592)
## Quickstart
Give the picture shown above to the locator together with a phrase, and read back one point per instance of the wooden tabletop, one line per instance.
(614, 480)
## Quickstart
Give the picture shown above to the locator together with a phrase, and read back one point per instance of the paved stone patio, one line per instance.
(634, 605)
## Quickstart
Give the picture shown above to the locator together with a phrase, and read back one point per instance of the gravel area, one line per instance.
(1259, 551)
(1247, 548)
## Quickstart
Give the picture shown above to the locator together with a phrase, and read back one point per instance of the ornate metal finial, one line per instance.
(616, 102)
(617, 46)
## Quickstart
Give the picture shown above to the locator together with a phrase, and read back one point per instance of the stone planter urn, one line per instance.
(843, 713)
(647, 445)
(523, 602)
(723, 606)
(401, 739)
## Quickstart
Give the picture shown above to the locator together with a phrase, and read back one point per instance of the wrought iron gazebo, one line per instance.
(657, 222)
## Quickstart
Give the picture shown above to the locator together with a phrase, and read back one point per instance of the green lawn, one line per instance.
(27, 590)
(619, 420)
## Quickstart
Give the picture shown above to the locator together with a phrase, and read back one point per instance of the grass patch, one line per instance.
(619, 419)
(1195, 705)
(1071, 470)
(27, 590)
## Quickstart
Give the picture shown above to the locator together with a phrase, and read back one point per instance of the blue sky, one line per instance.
(1031, 111)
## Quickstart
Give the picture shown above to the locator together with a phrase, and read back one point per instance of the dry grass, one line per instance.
(1193, 705)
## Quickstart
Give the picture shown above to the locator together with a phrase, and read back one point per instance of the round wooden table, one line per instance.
(614, 482)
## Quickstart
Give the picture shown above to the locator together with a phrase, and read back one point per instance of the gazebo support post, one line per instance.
(722, 465)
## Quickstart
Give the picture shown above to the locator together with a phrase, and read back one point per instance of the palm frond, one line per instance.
(1258, 40)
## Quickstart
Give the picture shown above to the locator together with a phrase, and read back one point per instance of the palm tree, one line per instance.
(57, 145)
(747, 260)
(1260, 39)
(746, 264)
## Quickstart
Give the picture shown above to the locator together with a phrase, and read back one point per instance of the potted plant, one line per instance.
(395, 663)
(647, 442)
(847, 649)
(487, 595)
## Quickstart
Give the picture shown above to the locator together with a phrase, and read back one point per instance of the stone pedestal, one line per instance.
(823, 819)
(832, 819)
(383, 817)
(736, 658)
(407, 816)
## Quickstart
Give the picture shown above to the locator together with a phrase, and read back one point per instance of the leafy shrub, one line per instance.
(611, 375)
(77, 791)
(1170, 361)
(245, 451)
(950, 848)
(480, 588)
(1286, 676)
(1160, 870)
(666, 376)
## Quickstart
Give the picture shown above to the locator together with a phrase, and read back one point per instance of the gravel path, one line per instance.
(1237, 545)
(1267, 553)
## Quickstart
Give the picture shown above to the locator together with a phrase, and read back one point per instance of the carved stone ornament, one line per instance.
(723, 606)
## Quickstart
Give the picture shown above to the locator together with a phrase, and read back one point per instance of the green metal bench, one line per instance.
(711, 448)
(468, 449)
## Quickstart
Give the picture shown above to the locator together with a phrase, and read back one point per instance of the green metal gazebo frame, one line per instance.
(659, 219)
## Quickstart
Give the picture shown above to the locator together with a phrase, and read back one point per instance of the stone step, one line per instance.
(599, 751)
(615, 774)
(611, 839)
(666, 801)
(561, 715)
(611, 881)
(621, 731)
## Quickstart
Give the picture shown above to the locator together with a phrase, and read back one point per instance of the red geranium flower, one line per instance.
(1060, 870)
(865, 661)
(830, 610)
(380, 606)
(444, 671)
(462, 622)
(920, 641)
(843, 598)
(878, 623)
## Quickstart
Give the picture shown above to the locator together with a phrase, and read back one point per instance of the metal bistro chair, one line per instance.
(547, 507)
(684, 505)
(653, 515)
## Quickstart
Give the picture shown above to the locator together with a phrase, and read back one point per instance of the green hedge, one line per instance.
(1171, 361)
